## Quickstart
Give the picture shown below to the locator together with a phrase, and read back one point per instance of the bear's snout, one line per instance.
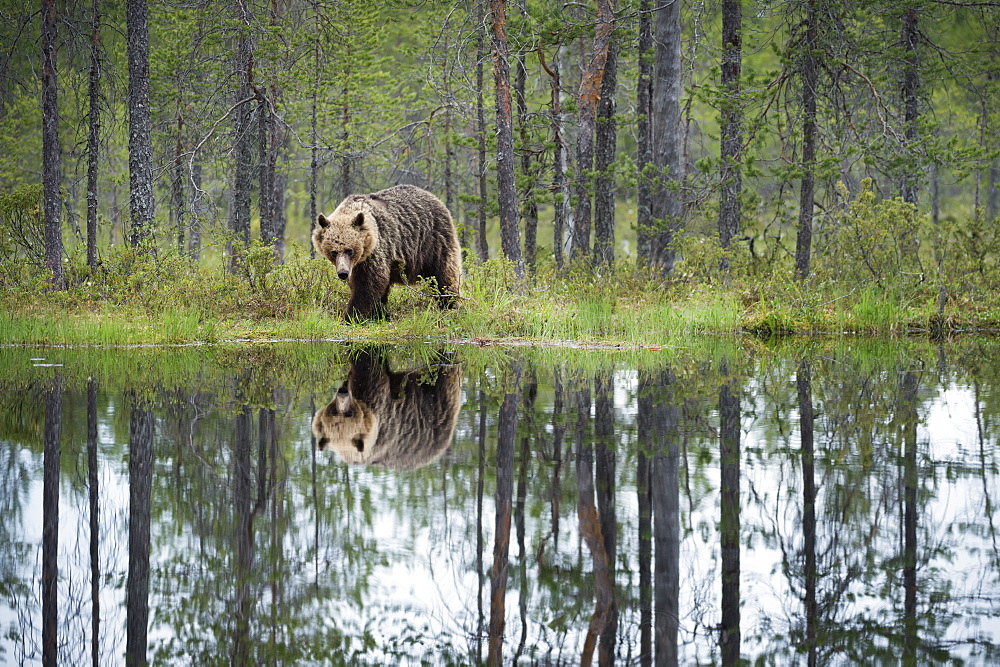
(342, 275)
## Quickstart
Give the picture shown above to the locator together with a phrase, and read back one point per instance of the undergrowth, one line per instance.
(891, 275)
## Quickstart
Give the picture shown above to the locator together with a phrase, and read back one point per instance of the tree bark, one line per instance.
(644, 111)
(731, 175)
(314, 136)
(510, 241)
(530, 210)
(268, 138)
(140, 148)
(665, 113)
(93, 135)
(194, 236)
(993, 195)
(590, 91)
(177, 186)
(803, 241)
(239, 212)
(911, 88)
(604, 159)
(560, 188)
(51, 168)
(482, 247)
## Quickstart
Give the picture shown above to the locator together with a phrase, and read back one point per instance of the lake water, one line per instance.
(832, 501)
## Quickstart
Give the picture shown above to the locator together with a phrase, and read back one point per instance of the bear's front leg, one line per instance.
(368, 297)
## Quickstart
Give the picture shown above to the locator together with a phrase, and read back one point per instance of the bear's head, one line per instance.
(348, 236)
(348, 427)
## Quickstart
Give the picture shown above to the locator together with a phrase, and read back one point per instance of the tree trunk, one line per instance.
(345, 129)
(239, 212)
(449, 157)
(93, 135)
(510, 240)
(803, 241)
(731, 174)
(266, 166)
(482, 247)
(993, 195)
(280, 218)
(140, 148)
(604, 181)
(530, 211)
(590, 92)
(177, 187)
(911, 88)
(560, 188)
(194, 237)
(644, 111)
(314, 138)
(665, 114)
(51, 170)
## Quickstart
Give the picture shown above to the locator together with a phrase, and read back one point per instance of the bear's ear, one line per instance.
(359, 221)
(323, 221)
(323, 443)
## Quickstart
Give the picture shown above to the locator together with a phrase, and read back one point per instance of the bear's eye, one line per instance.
(349, 252)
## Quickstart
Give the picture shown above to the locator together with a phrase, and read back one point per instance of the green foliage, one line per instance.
(21, 234)
(970, 254)
(874, 242)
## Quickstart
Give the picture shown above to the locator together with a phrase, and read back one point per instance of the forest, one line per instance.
(613, 168)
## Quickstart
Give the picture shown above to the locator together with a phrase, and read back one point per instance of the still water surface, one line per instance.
(831, 502)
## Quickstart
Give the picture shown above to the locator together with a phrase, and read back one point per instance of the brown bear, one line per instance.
(401, 421)
(390, 237)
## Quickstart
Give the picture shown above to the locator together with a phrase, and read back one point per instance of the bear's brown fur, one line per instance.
(394, 236)
(401, 421)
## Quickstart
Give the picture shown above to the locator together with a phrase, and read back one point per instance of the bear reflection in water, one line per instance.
(402, 421)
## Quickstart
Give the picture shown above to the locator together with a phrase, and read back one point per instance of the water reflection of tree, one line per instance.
(506, 434)
(729, 523)
(307, 582)
(50, 522)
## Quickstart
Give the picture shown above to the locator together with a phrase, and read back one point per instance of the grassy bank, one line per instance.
(136, 299)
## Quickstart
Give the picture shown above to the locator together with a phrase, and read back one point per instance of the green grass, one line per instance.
(142, 300)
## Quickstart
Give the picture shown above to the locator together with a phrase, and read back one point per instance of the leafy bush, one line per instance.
(969, 251)
(22, 239)
(874, 242)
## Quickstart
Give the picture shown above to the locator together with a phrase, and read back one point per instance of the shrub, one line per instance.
(874, 242)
